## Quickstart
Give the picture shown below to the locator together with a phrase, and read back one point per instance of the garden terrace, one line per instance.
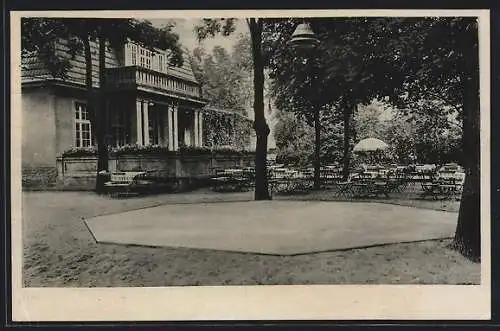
(77, 168)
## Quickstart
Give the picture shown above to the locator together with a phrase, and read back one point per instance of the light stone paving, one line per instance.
(273, 227)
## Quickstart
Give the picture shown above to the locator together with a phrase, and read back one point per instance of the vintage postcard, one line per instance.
(250, 165)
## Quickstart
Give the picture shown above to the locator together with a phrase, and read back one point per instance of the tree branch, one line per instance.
(445, 100)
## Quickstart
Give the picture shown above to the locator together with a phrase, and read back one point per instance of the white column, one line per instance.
(196, 128)
(138, 119)
(200, 128)
(145, 116)
(170, 131)
(176, 128)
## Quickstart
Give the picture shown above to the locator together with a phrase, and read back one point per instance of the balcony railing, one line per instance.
(135, 77)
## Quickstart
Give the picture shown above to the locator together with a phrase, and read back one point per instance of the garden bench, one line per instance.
(122, 182)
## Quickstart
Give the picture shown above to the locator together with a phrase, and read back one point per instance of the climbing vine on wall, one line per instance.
(225, 129)
(243, 130)
(227, 80)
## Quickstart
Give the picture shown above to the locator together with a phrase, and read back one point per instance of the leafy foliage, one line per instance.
(430, 137)
(405, 60)
(255, 26)
(221, 77)
(139, 149)
(80, 151)
(226, 83)
(156, 150)
(294, 140)
(212, 27)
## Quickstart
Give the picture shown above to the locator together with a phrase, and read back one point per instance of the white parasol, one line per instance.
(370, 145)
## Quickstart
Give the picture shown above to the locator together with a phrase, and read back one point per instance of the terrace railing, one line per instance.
(133, 77)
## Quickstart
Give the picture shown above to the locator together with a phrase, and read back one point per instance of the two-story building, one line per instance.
(149, 103)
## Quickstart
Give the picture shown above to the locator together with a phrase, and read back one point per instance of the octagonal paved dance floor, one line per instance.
(273, 227)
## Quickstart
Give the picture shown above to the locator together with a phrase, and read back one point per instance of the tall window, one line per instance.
(134, 55)
(155, 126)
(83, 130)
(160, 63)
(148, 59)
(142, 58)
(145, 58)
(139, 56)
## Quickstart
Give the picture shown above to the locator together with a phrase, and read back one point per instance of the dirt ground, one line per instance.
(59, 251)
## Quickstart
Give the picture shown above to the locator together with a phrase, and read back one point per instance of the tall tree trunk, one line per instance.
(101, 117)
(317, 145)
(468, 233)
(354, 132)
(92, 99)
(348, 110)
(88, 83)
(260, 126)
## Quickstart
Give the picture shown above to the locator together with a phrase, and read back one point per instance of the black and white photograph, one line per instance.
(277, 152)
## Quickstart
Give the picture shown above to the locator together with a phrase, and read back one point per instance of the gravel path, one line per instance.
(60, 251)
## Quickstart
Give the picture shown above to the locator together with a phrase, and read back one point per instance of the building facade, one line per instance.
(149, 103)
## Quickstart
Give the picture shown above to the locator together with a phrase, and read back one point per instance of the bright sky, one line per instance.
(185, 29)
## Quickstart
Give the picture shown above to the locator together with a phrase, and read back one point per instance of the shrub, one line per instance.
(158, 150)
(80, 151)
(194, 151)
(137, 149)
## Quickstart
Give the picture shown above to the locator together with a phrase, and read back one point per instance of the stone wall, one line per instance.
(143, 162)
(76, 173)
(39, 177)
(79, 172)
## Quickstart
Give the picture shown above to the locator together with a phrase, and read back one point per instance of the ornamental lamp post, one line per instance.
(304, 40)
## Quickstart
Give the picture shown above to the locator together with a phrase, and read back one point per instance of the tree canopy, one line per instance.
(226, 77)
(211, 27)
(405, 61)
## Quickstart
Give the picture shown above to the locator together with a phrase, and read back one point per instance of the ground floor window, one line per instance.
(83, 129)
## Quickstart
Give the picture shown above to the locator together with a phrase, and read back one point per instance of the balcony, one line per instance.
(134, 77)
